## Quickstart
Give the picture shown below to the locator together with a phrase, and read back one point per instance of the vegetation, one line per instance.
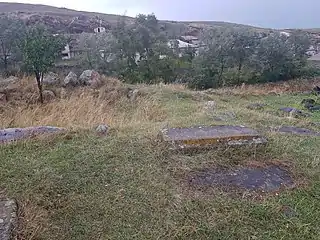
(40, 50)
(229, 56)
(128, 186)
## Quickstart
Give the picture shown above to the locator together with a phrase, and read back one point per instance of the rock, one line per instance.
(8, 218)
(316, 90)
(210, 105)
(308, 103)
(224, 117)
(3, 98)
(102, 129)
(51, 78)
(8, 81)
(90, 78)
(210, 136)
(296, 131)
(48, 95)
(314, 108)
(71, 80)
(256, 106)
(13, 134)
(133, 94)
(294, 112)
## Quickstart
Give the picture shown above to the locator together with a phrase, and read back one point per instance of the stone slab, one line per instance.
(297, 131)
(8, 209)
(14, 134)
(267, 179)
(202, 136)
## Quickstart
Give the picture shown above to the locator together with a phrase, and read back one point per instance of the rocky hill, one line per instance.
(63, 20)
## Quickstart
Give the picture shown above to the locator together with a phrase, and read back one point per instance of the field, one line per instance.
(79, 185)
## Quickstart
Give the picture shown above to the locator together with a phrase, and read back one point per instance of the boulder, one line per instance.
(102, 129)
(48, 95)
(71, 80)
(51, 78)
(294, 112)
(90, 78)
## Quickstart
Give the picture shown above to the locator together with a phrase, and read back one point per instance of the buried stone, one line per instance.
(296, 131)
(206, 136)
(268, 179)
(14, 134)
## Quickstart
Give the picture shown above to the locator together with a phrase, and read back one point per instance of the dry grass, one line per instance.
(293, 86)
(78, 108)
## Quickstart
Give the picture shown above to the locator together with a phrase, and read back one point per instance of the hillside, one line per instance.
(72, 21)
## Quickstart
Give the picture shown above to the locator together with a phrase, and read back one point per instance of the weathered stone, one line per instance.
(296, 131)
(133, 94)
(225, 117)
(256, 106)
(48, 95)
(71, 80)
(12, 134)
(206, 136)
(3, 98)
(102, 129)
(293, 112)
(51, 78)
(267, 179)
(210, 105)
(8, 215)
(90, 78)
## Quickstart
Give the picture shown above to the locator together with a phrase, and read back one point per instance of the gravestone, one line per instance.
(296, 131)
(206, 136)
(266, 179)
(8, 210)
(12, 134)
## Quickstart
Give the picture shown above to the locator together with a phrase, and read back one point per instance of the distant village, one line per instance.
(74, 48)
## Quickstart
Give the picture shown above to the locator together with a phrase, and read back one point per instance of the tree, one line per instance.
(40, 50)
(11, 32)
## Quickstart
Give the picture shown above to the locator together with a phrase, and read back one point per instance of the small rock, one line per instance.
(71, 80)
(102, 129)
(210, 105)
(133, 94)
(90, 78)
(3, 98)
(289, 212)
(316, 90)
(256, 106)
(51, 78)
(294, 112)
(48, 95)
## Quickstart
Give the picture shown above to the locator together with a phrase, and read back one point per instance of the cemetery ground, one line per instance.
(129, 185)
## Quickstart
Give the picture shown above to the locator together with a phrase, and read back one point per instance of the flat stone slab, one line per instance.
(8, 210)
(297, 131)
(294, 112)
(268, 179)
(13, 134)
(202, 136)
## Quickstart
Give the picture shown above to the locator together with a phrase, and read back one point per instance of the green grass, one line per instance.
(128, 186)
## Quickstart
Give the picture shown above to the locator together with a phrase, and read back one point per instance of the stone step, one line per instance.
(206, 136)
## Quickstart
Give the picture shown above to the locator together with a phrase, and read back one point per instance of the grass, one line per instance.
(128, 186)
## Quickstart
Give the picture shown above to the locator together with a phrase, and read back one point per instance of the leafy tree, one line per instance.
(40, 50)
(11, 33)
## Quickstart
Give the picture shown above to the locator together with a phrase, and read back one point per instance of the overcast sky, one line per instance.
(264, 13)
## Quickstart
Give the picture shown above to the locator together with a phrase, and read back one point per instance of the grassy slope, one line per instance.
(127, 186)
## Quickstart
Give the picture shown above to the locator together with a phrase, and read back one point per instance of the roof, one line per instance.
(315, 57)
(181, 44)
(189, 38)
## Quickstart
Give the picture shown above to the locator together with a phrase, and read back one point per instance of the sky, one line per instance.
(262, 13)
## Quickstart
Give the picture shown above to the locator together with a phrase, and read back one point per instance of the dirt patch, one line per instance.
(252, 179)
